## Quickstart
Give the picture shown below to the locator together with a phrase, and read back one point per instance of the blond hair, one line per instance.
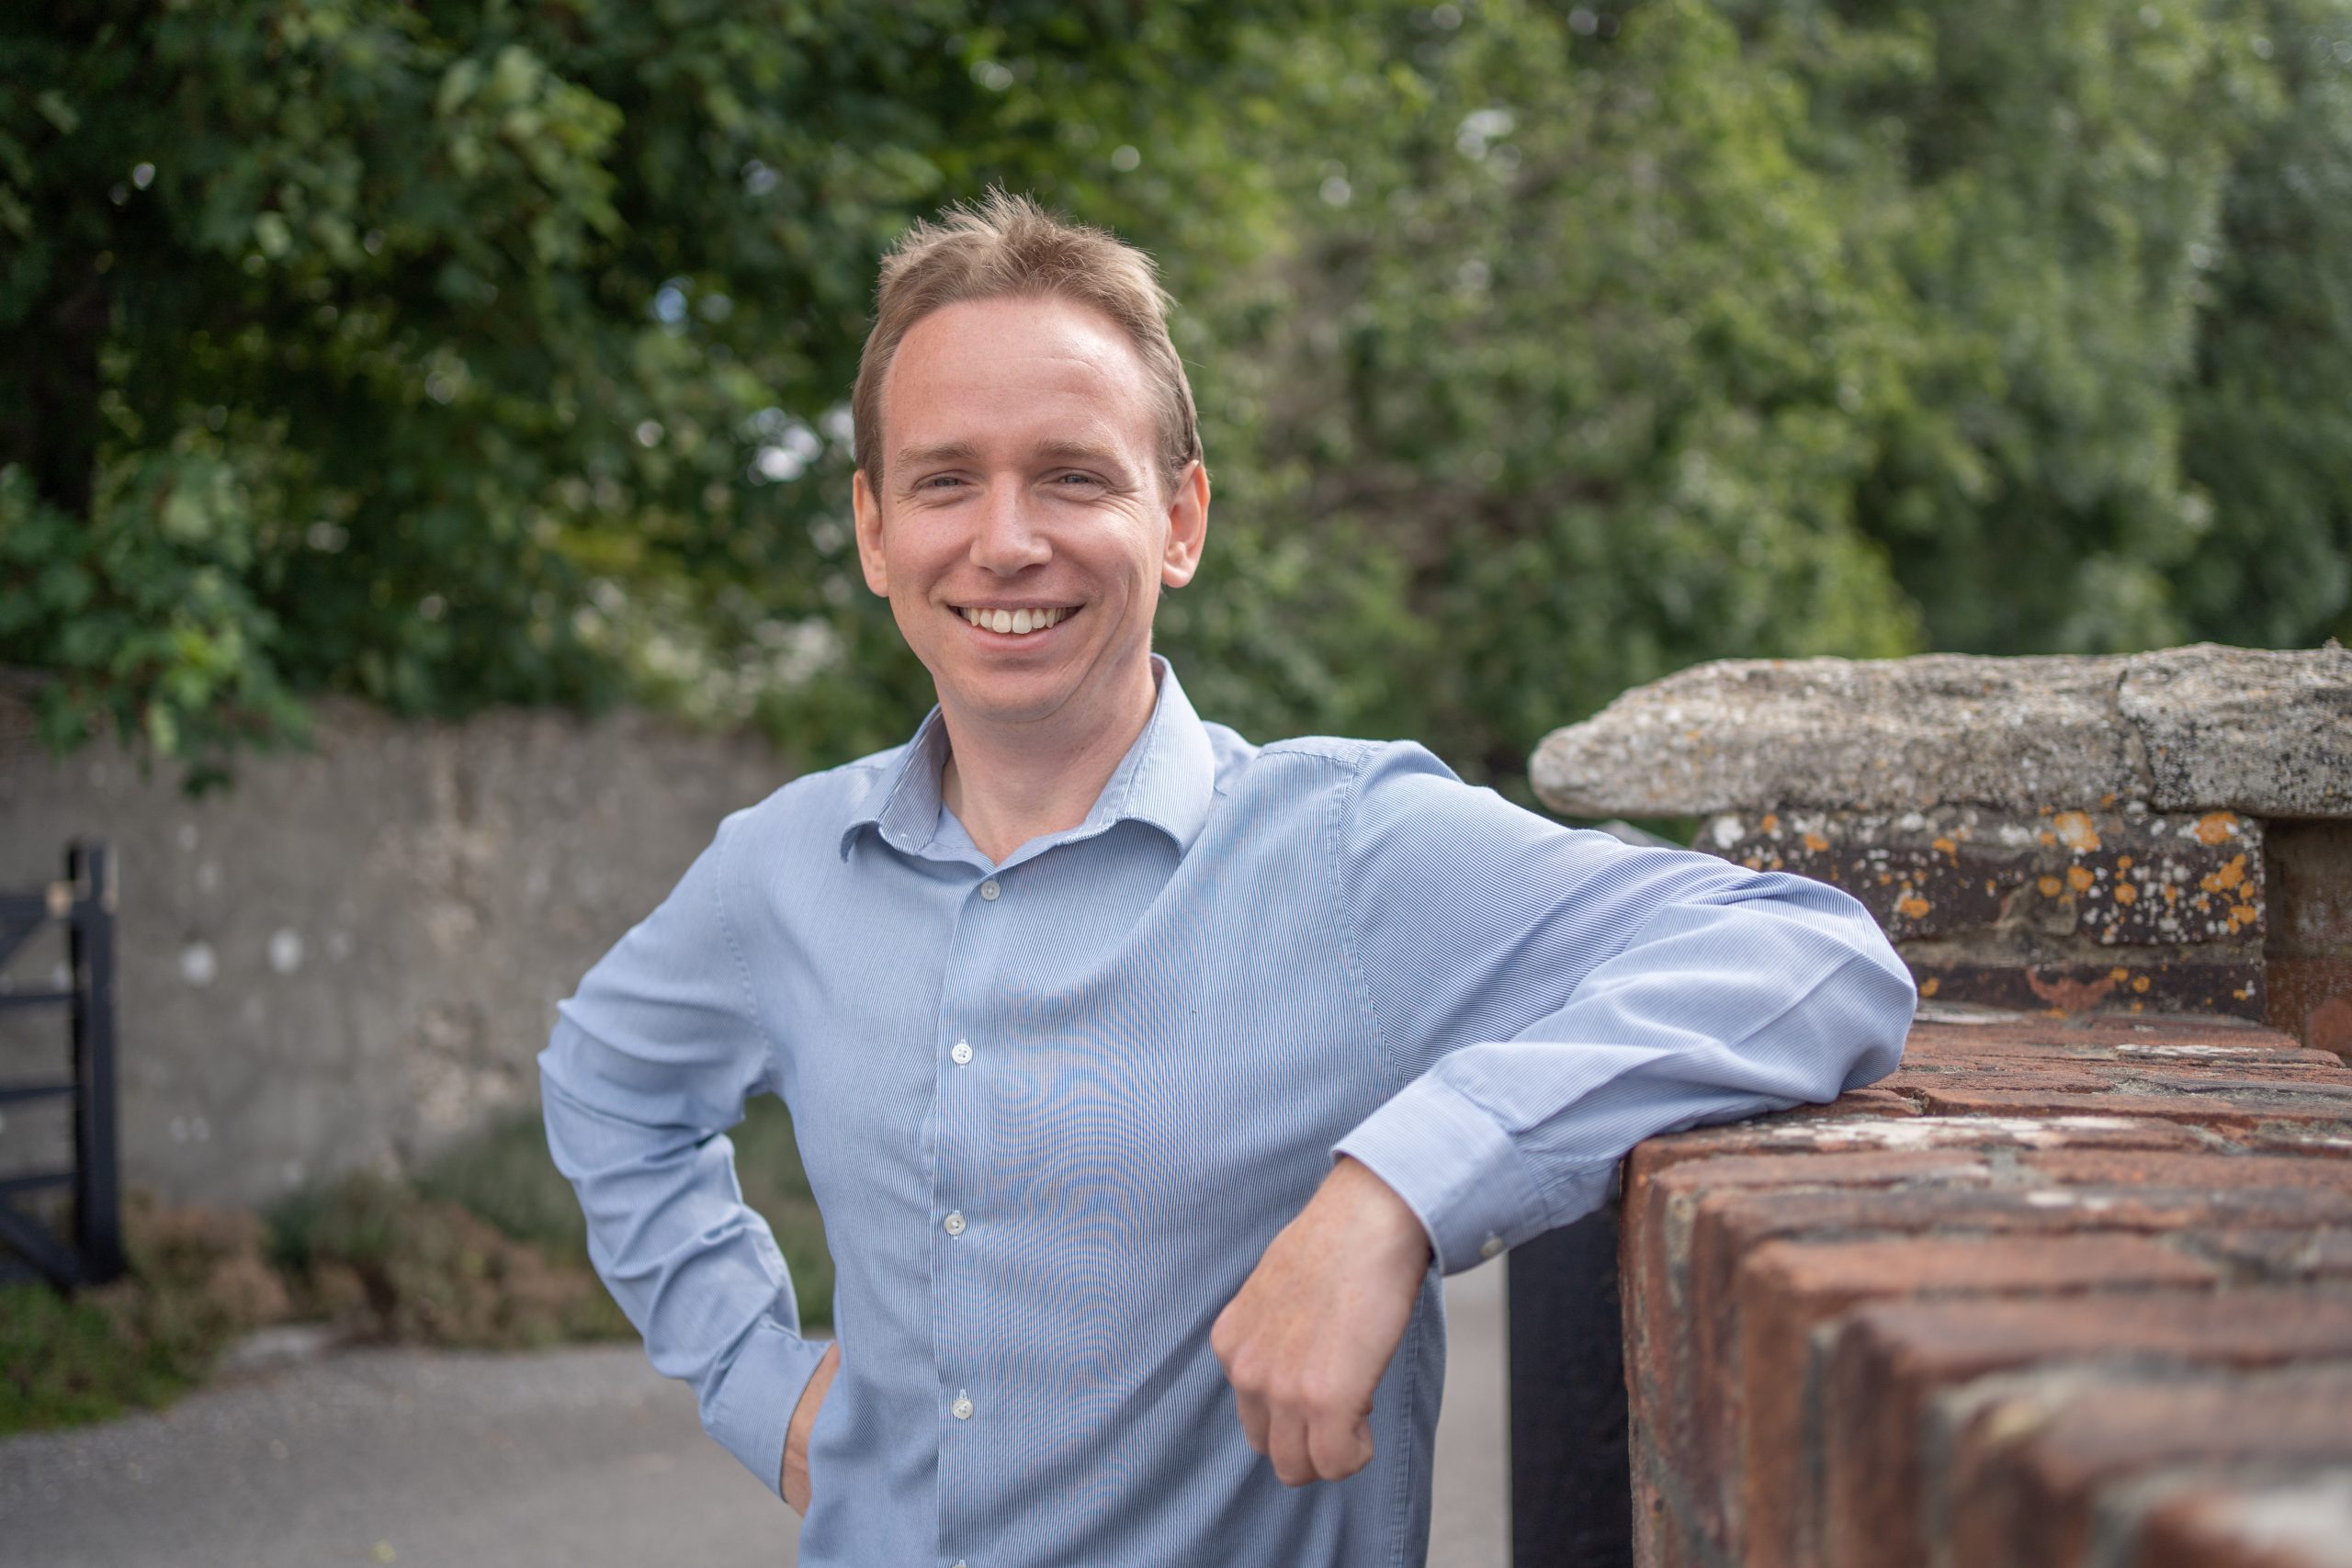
(1008, 247)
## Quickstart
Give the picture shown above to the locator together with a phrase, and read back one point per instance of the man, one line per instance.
(1146, 1079)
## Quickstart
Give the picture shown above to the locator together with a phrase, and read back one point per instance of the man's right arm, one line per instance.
(650, 1063)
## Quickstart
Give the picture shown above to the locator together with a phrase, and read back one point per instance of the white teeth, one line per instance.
(1014, 623)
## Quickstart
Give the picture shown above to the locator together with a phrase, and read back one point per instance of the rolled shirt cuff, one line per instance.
(1456, 1168)
(751, 1411)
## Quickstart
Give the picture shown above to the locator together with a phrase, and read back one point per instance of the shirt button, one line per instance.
(954, 1223)
(962, 1408)
(960, 1053)
(989, 890)
(1491, 1247)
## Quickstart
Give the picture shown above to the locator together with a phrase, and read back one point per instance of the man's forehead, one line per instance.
(1030, 375)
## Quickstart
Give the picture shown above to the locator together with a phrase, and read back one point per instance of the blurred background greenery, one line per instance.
(459, 354)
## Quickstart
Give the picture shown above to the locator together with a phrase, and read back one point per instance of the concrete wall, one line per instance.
(355, 955)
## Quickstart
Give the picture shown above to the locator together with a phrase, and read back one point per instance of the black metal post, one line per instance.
(97, 1211)
(1571, 1477)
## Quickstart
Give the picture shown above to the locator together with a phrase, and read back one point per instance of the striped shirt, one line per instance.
(1053, 1109)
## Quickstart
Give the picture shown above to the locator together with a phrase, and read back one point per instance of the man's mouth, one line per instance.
(1018, 621)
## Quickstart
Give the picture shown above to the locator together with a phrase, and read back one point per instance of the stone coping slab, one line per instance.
(2198, 729)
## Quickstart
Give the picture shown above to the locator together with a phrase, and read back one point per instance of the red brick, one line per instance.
(2029, 1468)
(1786, 1289)
(2283, 1522)
(1661, 1354)
(2050, 1156)
(2313, 996)
(2111, 1169)
(2279, 1254)
(2052, 1032)
(2240, 1112)
(1890, 1358)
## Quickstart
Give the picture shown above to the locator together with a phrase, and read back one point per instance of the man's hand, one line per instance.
(1305, 1341)
(794, 1483)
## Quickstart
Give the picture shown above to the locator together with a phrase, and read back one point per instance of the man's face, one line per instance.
(1021, 528)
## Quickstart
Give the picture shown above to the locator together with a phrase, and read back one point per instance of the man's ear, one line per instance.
(1187, 527)
(868, 512)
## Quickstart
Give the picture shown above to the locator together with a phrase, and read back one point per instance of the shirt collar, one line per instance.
(1168, 779)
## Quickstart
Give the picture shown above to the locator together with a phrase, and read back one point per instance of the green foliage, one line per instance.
(196, 1279)
(459, 354)
(63, 1364)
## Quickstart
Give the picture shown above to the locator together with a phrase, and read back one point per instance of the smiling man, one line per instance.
(1147, 1080)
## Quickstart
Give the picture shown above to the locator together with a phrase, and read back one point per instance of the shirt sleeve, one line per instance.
(1547, 998)
(650, 1063)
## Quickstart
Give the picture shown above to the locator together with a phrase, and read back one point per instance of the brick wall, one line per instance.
(2057, 1293)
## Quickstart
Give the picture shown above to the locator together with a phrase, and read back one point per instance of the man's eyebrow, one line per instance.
(964, 451)
(1081, 452)
(946, 452)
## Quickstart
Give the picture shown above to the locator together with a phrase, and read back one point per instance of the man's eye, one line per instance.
(1067, 481)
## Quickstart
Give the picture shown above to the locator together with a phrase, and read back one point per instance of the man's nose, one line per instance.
(1007, 539)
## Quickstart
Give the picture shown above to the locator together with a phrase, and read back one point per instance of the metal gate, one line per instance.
(84, 904)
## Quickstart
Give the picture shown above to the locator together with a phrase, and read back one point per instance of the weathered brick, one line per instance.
(2105, 1163)
(2104, 1168)
(1889, 1360)
(2241, 1112)
(1787, 1289)
(2030, 1465)
(2302, 1522)
(2278, 1254)
(1661, 1354)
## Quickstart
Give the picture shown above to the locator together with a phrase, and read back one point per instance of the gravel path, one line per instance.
(567, 1458)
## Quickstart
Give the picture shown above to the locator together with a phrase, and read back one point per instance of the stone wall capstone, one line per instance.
(2163, 831)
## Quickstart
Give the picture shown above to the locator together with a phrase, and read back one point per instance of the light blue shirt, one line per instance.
(1053, 1109)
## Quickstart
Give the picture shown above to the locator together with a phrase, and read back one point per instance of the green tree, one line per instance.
(455, 353)
(465, 353)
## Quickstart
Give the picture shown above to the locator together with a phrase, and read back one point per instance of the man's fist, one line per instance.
(794, 1482)
(1305, 1341)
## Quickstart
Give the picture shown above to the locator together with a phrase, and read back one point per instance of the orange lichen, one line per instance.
(2140, 982)
(2245, 914)
(2123, 862)
(1930, 985)
(1816, 842)
(2119, 974)
(2076, 827)
(2048, 839)
(2229, 877)
(2216, 825)
(1911, 907)
(2078, 877)
(2126, 894)
(2049, 887)
(1771, 823)
(1947, 847)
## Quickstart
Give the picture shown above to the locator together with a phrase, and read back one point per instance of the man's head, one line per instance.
(1010, 248)
(1029, 478)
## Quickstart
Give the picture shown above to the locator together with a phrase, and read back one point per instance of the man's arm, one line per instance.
(1546, 998)
(650, 1062)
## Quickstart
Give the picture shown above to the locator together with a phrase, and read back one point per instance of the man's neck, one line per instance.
(1008, 784)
